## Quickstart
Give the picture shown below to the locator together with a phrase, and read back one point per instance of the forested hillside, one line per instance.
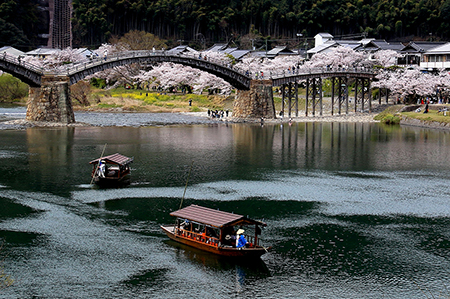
(209, 21)
(19, 23)
(221, 20)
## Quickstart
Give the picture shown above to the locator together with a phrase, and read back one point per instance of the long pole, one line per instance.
(185, 187)
(98, 164)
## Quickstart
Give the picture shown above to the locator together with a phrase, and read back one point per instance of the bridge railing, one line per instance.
(320, 71)
(72, 68)
(19, 60)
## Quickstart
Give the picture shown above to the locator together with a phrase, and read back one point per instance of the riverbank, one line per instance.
(351, 117)
(128, 119)
(14, 118)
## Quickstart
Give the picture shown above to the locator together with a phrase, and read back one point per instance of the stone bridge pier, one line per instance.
(256, 102)
(51, 102)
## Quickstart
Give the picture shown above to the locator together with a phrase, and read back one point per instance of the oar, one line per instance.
(185, 187)
(98, 164)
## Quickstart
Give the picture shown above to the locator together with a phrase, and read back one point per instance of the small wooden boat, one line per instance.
(216, 231)
(111, 169)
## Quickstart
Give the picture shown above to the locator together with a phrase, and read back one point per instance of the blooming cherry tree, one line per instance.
(167, 75)
(406, 83)
(385, 58)
(337, 57)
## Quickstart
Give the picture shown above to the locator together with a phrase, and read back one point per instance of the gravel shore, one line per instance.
(126, 119)
(351, 117)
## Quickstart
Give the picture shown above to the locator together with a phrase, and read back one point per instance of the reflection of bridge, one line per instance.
(49, 87)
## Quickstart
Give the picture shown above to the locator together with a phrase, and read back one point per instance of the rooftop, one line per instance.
(212, 217)
(114, 159)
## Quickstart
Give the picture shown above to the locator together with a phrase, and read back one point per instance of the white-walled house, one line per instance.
(412, 53)
(436, 58)
(42, 52)
(322, 38)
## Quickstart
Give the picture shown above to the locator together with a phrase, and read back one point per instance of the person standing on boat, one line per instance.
(241, 241)
(101, 169)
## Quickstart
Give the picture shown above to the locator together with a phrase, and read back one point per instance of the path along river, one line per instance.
(354, 210)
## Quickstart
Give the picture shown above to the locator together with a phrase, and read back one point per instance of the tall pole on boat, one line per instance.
(98, 164)
(185, 187)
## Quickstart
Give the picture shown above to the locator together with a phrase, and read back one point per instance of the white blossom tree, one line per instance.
(385, 58)
(336, 58)
(56, 61)
(169, 75)
(269, 67)
(408, 84)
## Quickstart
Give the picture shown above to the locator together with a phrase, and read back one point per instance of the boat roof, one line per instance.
(213, 217)
(114, 159)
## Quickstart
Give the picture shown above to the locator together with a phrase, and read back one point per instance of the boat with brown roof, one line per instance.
(215, 231)
(111, 169)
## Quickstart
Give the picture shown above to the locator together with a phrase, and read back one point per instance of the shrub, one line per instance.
(12, 89)
(98, 83)
(105, 105)
(81, 92)
(390, 119)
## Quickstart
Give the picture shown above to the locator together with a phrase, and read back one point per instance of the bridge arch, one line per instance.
(234, 76)
(26, 72)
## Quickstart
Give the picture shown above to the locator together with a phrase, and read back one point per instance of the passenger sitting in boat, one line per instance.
(210, 232)
(241, 242)
(186, 225)
(230, 236)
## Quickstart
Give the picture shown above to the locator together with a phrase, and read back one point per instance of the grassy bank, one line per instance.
(432, 115)
(143, 101)
(149, 101)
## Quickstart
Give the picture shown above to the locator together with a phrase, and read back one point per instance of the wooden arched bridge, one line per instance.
(49, 88)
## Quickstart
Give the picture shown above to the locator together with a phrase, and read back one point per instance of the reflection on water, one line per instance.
(353, 211)
(250, 268)
(244, 271)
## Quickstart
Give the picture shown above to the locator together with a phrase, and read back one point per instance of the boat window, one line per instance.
(198, 228)
(212, 232)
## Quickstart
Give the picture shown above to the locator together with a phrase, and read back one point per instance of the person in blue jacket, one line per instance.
(241, 242)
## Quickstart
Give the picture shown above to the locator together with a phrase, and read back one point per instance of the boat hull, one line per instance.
(219, 250)
(109, 181)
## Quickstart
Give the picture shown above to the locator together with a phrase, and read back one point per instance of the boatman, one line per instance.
(241, 241)
(101, 169)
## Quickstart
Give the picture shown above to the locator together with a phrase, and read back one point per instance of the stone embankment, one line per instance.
(407, 121)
